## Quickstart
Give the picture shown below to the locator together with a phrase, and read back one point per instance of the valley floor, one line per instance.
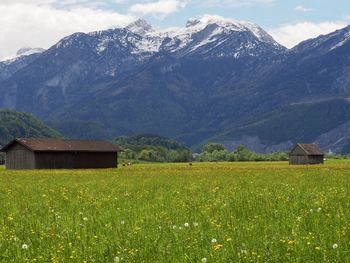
(207, 212)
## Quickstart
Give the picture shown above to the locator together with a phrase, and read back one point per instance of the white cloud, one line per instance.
(235, 3)
(159, 8)
(292, 34)
(301, 8)
(42, 25)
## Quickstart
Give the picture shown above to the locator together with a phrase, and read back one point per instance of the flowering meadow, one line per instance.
(217, 212)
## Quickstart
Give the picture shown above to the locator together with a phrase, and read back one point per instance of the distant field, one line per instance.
(217, 212)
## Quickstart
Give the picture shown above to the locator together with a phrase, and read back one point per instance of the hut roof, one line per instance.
(63, 145)
(308, 149)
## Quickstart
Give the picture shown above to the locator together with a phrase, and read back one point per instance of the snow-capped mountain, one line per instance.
(214, 78)
(209, 35)
(110, 53)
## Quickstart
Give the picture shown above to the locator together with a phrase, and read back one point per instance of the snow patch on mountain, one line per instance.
(26, 51)
(344, 40)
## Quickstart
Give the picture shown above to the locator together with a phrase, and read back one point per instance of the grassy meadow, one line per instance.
(217, 212)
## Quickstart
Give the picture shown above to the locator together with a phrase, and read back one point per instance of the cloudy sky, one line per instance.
(41, 23)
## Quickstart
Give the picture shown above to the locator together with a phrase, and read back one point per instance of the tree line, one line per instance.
(214, 152)
(153, 148)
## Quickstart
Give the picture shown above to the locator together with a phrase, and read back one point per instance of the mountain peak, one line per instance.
(140, 27)
(230, 24)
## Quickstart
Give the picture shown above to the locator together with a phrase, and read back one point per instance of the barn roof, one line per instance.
(308, 149)
(63, 145)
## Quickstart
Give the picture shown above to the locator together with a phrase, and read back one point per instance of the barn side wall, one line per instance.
(316, 159)
(75, 160)
(311, 159)
(19, 158)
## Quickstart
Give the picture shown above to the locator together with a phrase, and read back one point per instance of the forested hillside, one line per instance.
(20, 125)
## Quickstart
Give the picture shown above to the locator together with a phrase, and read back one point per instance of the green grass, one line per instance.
(256, 212)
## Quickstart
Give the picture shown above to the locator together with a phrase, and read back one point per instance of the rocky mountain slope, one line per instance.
(23, 58)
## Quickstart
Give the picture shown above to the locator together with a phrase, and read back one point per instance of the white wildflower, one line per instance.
(25, 246)
(335, 246)
(214, 240)
(116, 259)
(187, 225)
(204, 260)
(85, 219)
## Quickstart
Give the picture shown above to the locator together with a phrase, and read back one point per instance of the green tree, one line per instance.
(243, 154)
(212, 146)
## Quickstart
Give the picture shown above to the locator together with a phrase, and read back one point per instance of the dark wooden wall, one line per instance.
(71, 160)
(18, 158)
(2, 158)
(311, 159)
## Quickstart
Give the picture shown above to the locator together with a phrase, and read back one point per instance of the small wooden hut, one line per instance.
(306, 154)
(60, 154)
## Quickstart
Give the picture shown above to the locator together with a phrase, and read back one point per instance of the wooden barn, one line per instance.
(60, 154)
(306, 154)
